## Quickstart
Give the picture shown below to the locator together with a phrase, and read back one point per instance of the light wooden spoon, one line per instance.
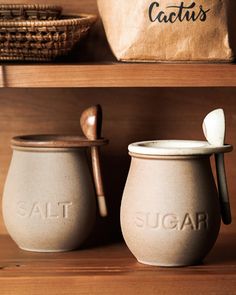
(91, 124)
(214, 131)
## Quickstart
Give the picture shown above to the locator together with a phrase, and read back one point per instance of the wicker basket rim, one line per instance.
(24, 58)
(66, 21)
(30, 6)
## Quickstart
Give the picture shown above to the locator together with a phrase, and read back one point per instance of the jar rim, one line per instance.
(177, 148)
(55, 141)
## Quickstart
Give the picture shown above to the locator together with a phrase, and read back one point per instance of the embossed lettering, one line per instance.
(49, 213)
(140, 219)
(36, 211)
(202, 220)
(170, 221)
(65, 208)
(21, 209)
(187, 222)
(153, 220)
(48, 210)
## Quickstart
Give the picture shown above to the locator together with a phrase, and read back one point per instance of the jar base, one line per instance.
(168, 265)
(46, 250)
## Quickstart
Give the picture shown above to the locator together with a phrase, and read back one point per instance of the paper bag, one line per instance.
(167, 30)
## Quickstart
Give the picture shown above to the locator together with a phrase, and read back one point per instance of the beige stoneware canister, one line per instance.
(170, 211)
(49, 202)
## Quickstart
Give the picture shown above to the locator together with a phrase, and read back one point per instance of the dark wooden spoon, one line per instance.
(91, 124)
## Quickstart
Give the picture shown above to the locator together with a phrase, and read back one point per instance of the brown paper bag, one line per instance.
(167, 30)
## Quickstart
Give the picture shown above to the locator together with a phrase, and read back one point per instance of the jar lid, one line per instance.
(55, 141)
(176, 148)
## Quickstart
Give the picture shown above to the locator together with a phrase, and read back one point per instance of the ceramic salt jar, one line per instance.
(49, 202)
(170, 210)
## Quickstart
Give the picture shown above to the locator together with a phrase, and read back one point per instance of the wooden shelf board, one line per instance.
(118, 75)
(111, 269)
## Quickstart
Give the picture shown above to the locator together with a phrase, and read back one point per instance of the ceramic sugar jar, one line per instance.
(170, 210)
(49, 202)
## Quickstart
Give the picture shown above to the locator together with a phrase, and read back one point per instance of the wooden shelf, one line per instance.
(112, 269)
(118, 75)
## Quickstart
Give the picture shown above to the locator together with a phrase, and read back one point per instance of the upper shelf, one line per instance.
(118, 75)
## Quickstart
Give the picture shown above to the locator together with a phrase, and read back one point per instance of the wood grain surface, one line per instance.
(111, 269)
(118, 75)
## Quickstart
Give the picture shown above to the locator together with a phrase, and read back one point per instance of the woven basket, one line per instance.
(29, 12)
(42, 40)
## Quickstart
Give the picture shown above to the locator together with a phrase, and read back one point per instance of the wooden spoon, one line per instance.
(214, 131)
(91, 124)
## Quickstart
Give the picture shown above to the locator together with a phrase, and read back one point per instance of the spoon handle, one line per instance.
(98, 181)
(223, 189)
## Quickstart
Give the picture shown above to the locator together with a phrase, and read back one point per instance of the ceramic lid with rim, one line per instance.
(55, 141)
(176, 148)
